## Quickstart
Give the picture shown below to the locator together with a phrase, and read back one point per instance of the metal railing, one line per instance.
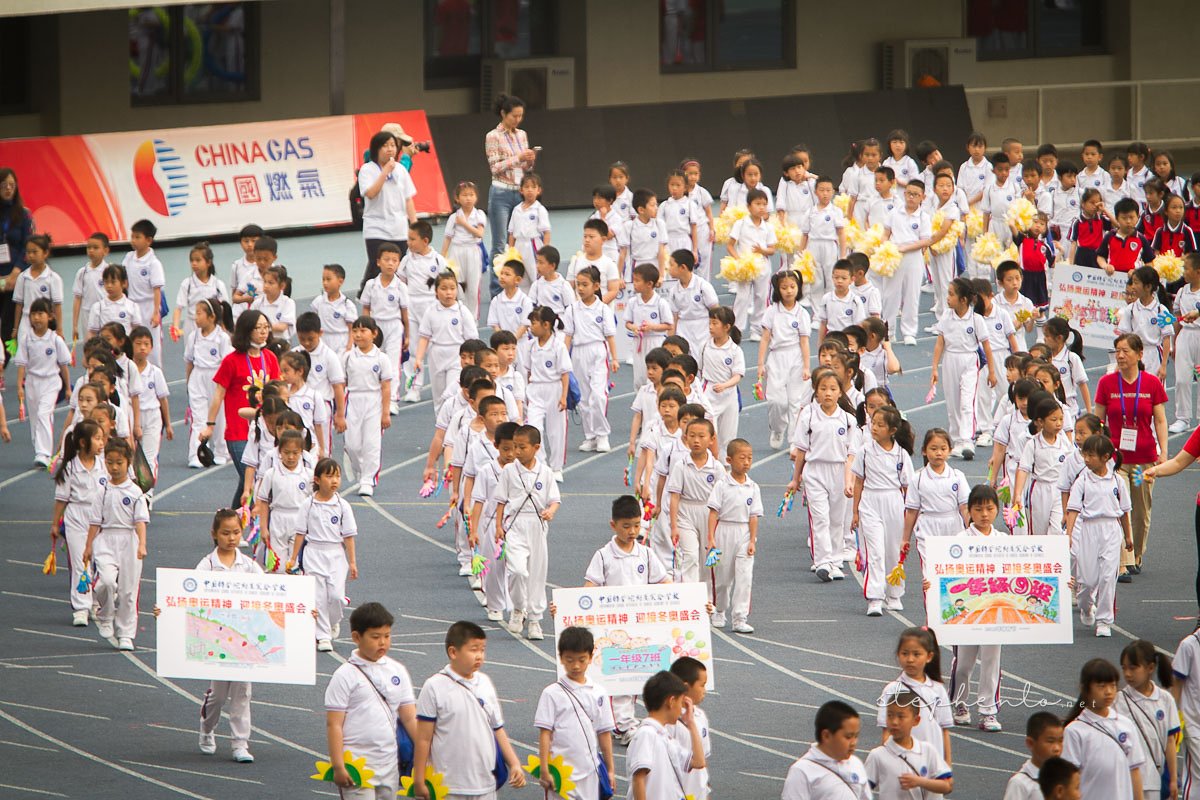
(1138, 127)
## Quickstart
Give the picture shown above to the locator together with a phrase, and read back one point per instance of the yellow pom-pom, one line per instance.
(511, 254)
(1169, 266)
(974, 223)
(787, 237)
(842, 201)
(806, 265)
(986, 248)
(1008, 254)
(1021, 213)
(865, 241)
(723, 225)
(947, 242)
(743, 269)
(886, 259)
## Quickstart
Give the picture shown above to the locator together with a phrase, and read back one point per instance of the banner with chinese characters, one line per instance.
(233, 626)
(1089, 300)
(639, 630)
(999, 589)
(209, 181)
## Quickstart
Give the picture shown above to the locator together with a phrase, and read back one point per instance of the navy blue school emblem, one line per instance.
(307, 406)
(375, 368)
(49, 351)
(454, 320)
(641, 568)
(841, 431)
(549, 364)
(711, 478)
(338, 314)
(696, 298)
(999, 326)
(212, 351)
(970, 329)
(301, 486)
(954, 486)
(538, 486)
(653, 315)
(749, 501)
(395, 680)
(279, 315)
(518, 309)
(334, 519)
(318, 367)
(728, 361)
(1062, 458)
(849, 312)
(145, 272)
(126, 500)
(795, 324)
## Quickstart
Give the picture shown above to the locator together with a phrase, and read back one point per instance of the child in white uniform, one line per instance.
(369, 375)
(244, 271)
(202, 284)
(961, 333)
(386, 299)
(883, 469)
(549, 369)
(735, 507)
(79, 483)
(1002, 336)
(153, 400)
(722, 366)
(335, 309)
(783, 354)
(281, 491)
(702, 201)
(324, 547)
(550, 288)
(691, 297)
(42, 359)
(114, 306)
(463, 240)
(146, 280)
(274, 302)
(38, 282)
(326, 377)
(906, 765)
(823, 228)
(88, 287)
(830, 770)
(527, 499)
(921, 661)
(647, 235)
(590, 328)
(1038, 469)
(1068, 360)
(690, 481)
(1154, 714)
(1142, 317)
(203, 351)
(753, 235)
(656, 763)
(936, 501)
(1097, 522)
(678, 214)
(909, 229)
(117, 540)
(1100, 741)
(420, 265)
(648, 318)
(821, 446)
(841, 306)
(483, 468)
(444, 327)
(529, 225)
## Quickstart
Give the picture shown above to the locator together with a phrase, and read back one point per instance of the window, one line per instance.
(16, 91)
(196, 53)
(1037, 28)
(704, 35)
(459, 34)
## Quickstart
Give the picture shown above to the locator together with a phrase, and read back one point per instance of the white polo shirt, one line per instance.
(458, 234)
(961, 334)
(1156, 719)
(325, 371)
(124, 311)
(384, 303)
(612, 566)
(1186, 666)
(749, 232)
(735, 502)
(816, 776)
(720, 362)
(937, 495)
(193, 290)
(526, 492)
(285, 489)
(548, 362)
(693, 301)
(466, 713)
(645, 238)
(385, 216)
(694, 483)
(880, 469)
(1042, 460)
(935, 709)
(83, 487)
(326, 522)
(145, 275)
(887, 762)
(655, 311)
(120, 507)
(574, 713)
(371, 702)
(42, 356)
(366, 371)
(509, 313)
(336, 318)
(1023, 785)
(448, 325)
(605, 264)
(839, 312)
(1094, 497)
(310, 406)
(823, 438)
(241, 563)
(416, 270)
(589, 324)
(787, 327)
(558, 293)
(973, 177)
(1105, 749)
(89, 285)
(654, 748)
(281, 309)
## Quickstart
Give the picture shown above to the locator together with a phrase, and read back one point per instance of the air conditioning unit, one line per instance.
(916, 63)
(541, 82)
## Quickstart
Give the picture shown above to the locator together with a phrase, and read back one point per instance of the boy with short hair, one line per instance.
(909, 228)
(861, 285)
(595, 253)
(1047, 160)
(997, 197)
(467, 425)
(460, 725)
(823, 231)
(975, 171)
(1011, 278)
(483, 516)
(510, 380)
(388, 300)
(89, 283)
(550, 288)
(655, 761)
(335, 309)
(648, 317)
(883, 206)
(527, 499)
(688, 486)
(326, 374)
(830, 770)
(1064, 201)
(1044, 740)
(1123, 248)
(645, 400)
(647, 233)
(840, 306)
(1136, 156)
(615, 234)
(1058, 779)
(146, 279)
(694, 675)
(904, 763)
(575, 721)
(420, 264)
(1092, 176)
(244, 271)
(265, 251)
(364, 698)
(735, 506)
(753, 235)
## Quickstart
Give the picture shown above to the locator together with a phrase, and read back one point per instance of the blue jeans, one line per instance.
(236, 449)
(501, 203)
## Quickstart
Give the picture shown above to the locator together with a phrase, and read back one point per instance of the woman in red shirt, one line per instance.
(249, 362)
(1134, 403)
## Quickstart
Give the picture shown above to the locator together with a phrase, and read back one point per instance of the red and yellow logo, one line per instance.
(161, 177)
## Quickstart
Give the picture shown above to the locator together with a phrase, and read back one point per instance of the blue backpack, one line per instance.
(573, 394)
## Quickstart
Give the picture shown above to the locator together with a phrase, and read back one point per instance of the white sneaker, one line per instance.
(602, 445)
(910, 341)
(931, 329)
(893, 604)
(776, 441)
(105, 629)
(324, 646)
(836, 573)
(756, 337)
(718, 619)
(743, 627)
(956, 451)
(337, 630)
(849, 554)
(475, 583)
(968, 453)
(516, 622)
(208, 743)
(983, 440)
(1179, 426)
(394, 408)
(242, 756)
(875, 608)
(196, 465)
(125, 643)
(1103, 631)
(464, 570)
(587, 446)
(413, 395)
(1087, 618)
(962, 714)
(558, 476)
(534, 634)
(366, 490)
(79, 618)
(623, 738)
(495, 616)
(989, 723)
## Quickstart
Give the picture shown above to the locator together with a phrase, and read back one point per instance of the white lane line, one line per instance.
(191, 772)
(20, 476)
(56, 635)
(191, 732)
(158, 496)
(392, 518)
(100, 760)
(760, 775)
(55, 711)
(106, 680)
(31, 791)
(280, 705)
(787, 703)
(28, 746)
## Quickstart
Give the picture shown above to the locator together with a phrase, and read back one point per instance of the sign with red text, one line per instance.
(999, 589)
(210, 180)
(234, 626)
(639, 630)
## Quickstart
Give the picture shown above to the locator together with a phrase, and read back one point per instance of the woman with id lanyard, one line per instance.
(1133, 403)
(16, 226)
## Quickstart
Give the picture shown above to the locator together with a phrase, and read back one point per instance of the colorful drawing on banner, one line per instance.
(560, 773)
(639, 629)
(1089, 300)
(239, 637)
(360, 774)
(999, 589)
(435, 784)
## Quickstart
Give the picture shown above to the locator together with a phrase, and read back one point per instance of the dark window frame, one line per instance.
(22, 54)
(1035, 49)
(471, 65)
(713, 62)
(176, 94)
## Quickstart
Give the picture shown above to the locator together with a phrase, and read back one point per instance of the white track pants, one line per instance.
(589, 362)
(543, 413)
(1096, 553)
(733, 576)
(880, 528)
(118, 573)
(364, 436)
(527, 559)
(784, 388)
(965, 657)
(959, 377)
(237, 695)
(824, 490)
(326, 562)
